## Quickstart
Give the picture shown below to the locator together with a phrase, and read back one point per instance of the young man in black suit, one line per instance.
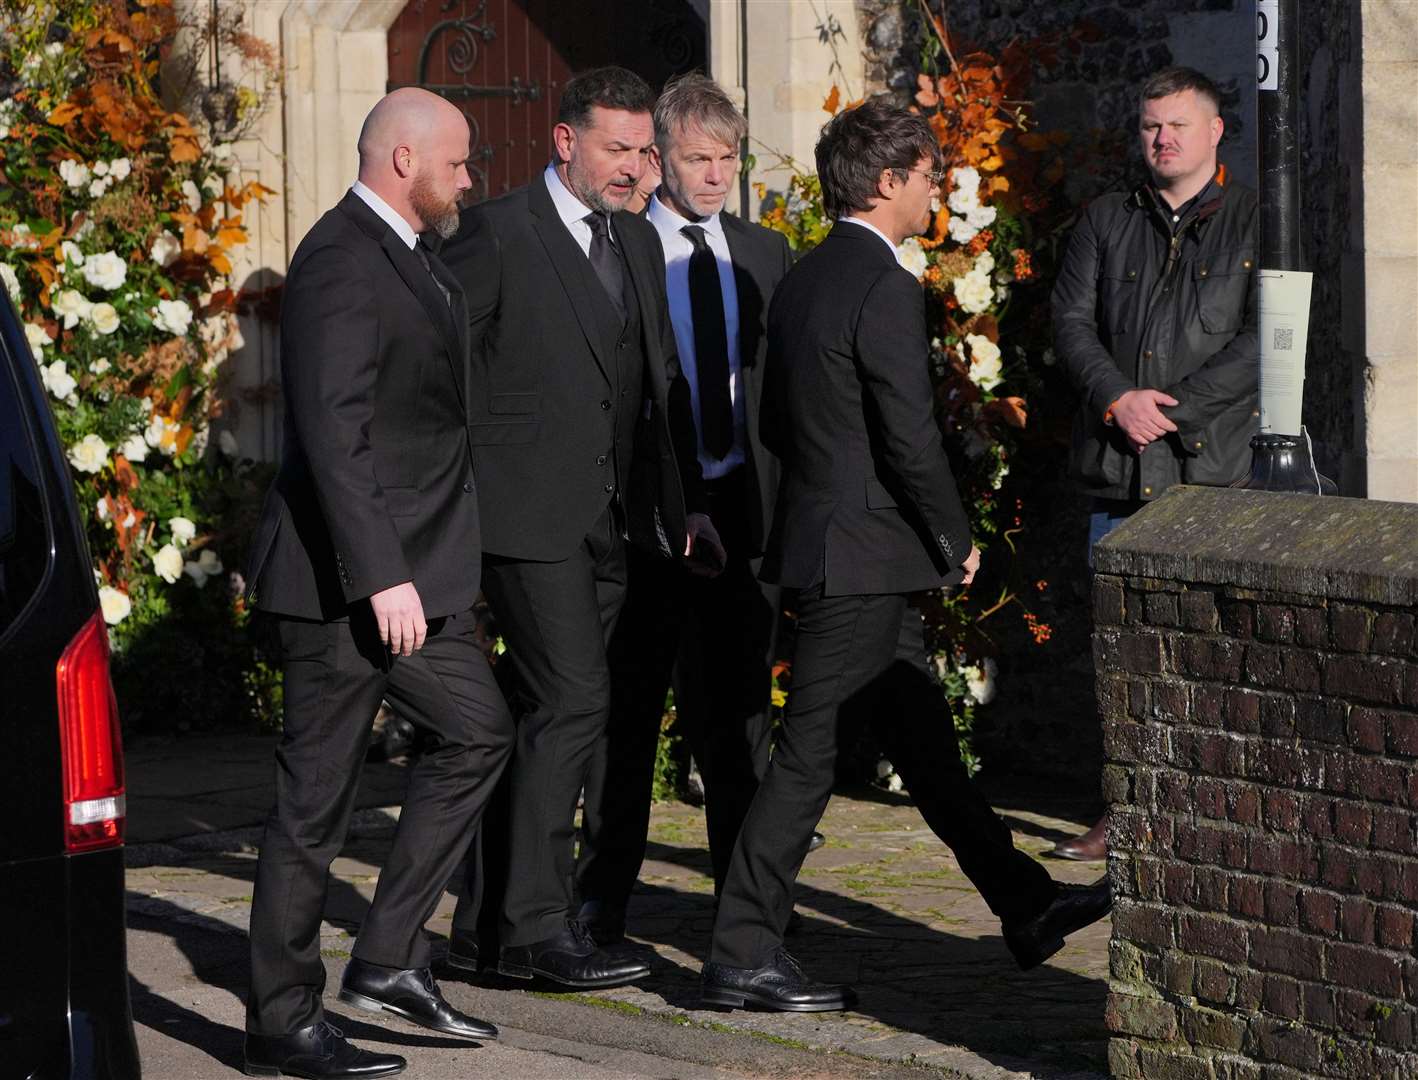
(582, 437)
(720, 272)
(361, 561)
(867, 513)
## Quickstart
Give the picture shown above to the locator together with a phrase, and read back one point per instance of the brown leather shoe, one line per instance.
(1090, 847)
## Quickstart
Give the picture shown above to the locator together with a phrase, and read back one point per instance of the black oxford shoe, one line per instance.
(1035, 940)
(572, 958)
(780, 985)
(318, 1052)
(463, 951)
(411, 994)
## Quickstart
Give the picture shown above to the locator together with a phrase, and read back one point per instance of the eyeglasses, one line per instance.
(935, 177)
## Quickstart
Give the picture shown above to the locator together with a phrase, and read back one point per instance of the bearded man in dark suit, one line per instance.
(361, 560)
(582, 439)
(867, 513)
(716, 632)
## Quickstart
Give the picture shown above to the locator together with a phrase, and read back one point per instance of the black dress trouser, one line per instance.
(556, 618)
(845, 645)
(717, 636)
(335, 676)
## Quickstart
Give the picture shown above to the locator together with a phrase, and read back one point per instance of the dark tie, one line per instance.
(422, 253)
(605, 260)
(711, 347)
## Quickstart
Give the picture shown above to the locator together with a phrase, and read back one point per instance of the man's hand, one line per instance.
(1140, 417)
(972, 563)
(399, 614)
(709, 561)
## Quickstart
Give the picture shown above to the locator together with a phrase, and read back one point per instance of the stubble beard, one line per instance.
(583, 187)
(436, 214)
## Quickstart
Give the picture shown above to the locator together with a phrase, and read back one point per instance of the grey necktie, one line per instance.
(605, 260)
(422, 253)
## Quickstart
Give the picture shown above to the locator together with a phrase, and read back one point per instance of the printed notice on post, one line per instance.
(1284, 298)
(1267, 44)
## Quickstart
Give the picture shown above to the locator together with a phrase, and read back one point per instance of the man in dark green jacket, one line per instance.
(1155, 321)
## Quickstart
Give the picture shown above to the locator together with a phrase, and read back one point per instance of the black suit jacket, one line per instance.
(549, 443)
(760, 258)
(376, 481)
(868, 504)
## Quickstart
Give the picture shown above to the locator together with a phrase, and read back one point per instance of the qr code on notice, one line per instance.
(1284, 338)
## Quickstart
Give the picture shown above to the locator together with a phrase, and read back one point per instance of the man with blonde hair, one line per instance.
(716, 632)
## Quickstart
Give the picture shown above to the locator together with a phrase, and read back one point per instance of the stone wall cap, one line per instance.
(1342, 549)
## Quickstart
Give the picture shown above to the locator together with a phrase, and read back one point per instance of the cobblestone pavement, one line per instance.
(885, 908)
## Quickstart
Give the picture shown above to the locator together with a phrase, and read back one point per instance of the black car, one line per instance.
(64, 1008)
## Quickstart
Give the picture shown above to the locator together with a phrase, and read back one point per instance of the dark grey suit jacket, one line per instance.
(376, 480)
(868, 504)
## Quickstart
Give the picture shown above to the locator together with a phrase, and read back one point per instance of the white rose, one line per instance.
(966, 178)
(38, 337)
(101, 365)
(165, 248)
(98, 189)
(104, 317)
(980, 216)
(214, 185)
(71, 254)
(961, 231)
(57, 379)
(11, 279)
(985, 365)
(228, 444)
(74, 173)
(53, 49)
(104, 513)
(912, 256)
(135, 449)
(980, 680)
(115, 605)
(207, 565)
(183, 530)
(167, 563)
(174, 316)
(162, 434)
(985, 263)
(974, 292)
(72, 307)
(192, 195)
(100, 168)
(222, 152)
(89, 454)
(119, 168)
(106, 271)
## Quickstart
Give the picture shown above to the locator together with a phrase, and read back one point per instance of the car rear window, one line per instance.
(25, 547)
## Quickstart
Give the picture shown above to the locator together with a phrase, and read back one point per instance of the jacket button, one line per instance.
(1147, 491)
(1246, 264)
(1198, 444)
(1201, 272)
(610, 488)
(601, 460)
(1147, 355)
(468, 486)
(605, 406)
(1132, 274)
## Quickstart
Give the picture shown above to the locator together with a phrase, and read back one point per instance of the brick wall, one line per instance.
(1258, 686)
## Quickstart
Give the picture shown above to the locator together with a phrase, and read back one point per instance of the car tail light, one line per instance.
(94, 805)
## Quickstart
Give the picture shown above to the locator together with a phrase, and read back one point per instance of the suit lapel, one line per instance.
(572, 268)
(750, 294)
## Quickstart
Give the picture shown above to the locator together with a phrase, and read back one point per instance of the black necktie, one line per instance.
(422, 253)
(711, 347)
(605, 260)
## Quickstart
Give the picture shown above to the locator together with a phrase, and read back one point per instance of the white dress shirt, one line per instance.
(571, 210)
(392, 217)
(884, 238)
(678, 249)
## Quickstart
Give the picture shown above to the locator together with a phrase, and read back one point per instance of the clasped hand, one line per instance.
(1138, 413)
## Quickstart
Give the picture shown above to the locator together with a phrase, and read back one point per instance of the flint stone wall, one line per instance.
(1258, 684)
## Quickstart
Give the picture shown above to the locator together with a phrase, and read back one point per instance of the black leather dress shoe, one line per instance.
(1035, 940)
(780, 985)
(817, 841)
(572, 958)
(318, 1052)
(412, 994)
(606, 923)
(463, 951)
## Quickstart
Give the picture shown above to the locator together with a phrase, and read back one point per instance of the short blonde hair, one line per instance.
(697, 101)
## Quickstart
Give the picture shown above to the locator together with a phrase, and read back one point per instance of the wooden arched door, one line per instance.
(504, 62)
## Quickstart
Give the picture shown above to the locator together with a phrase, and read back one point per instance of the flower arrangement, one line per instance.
(117, 223)
(979, 253)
